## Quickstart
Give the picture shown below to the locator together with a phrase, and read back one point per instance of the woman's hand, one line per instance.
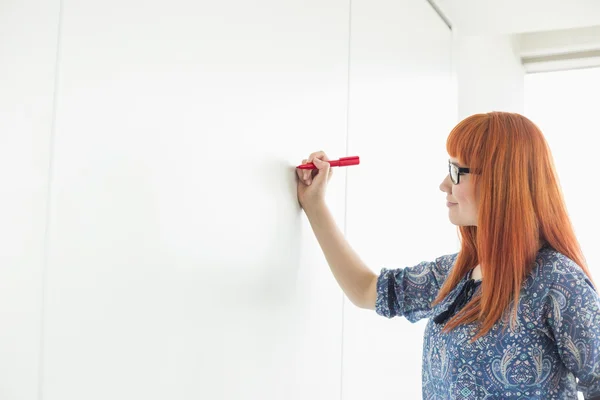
(312, 184)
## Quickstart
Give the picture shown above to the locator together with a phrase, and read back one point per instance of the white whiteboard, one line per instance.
(178, 263)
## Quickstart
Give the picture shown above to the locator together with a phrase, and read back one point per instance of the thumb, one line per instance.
(323, 168)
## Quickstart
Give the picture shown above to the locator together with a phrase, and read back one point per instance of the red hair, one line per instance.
(520, 205)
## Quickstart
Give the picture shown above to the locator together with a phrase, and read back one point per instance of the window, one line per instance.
(566, 107)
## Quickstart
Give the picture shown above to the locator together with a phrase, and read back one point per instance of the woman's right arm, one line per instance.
(357, 281)
(404, 292)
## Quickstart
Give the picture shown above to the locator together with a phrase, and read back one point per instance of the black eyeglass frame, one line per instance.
(459, 171)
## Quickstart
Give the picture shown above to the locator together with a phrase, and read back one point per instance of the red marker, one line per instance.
(342, 162)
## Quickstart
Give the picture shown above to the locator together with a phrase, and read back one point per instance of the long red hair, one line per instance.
(520, 205)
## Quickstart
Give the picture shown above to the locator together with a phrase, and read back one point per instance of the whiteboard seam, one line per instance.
(346, 188)
(48, 204)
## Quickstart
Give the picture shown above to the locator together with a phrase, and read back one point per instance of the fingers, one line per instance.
(324, 169)
(319, 154)
(302, 172)
(307, 175)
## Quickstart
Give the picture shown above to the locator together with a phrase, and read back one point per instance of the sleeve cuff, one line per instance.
(386, 295)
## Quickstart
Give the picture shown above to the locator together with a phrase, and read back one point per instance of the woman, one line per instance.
(515, 313)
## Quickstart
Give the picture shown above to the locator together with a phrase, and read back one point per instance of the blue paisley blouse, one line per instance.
(551, 353)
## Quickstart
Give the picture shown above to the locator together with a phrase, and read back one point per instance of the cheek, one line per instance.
(459, 194)
(463, 194)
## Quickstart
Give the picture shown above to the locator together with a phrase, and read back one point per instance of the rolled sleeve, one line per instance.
(409, 291)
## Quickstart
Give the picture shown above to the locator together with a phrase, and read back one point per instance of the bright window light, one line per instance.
(566, 107)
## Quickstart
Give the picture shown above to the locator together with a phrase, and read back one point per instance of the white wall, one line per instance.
(402, 107)
(28, 32)
(489, 74)
(178, 262)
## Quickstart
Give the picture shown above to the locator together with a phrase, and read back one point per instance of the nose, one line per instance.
(446, 185)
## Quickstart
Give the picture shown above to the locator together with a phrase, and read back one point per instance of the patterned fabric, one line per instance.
(556, 338)
(463, 298)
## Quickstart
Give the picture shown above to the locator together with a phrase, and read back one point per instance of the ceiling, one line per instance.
(490, 17)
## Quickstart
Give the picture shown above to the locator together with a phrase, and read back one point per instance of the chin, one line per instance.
(460, 223)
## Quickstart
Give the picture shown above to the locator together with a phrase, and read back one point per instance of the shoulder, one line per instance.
(561, 294)
(445, 263)
(447, 260)
(555, 272)
(551, 266)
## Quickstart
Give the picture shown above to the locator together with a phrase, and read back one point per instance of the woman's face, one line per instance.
(463, 199)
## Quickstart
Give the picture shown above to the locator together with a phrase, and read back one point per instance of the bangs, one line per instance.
(466, 141)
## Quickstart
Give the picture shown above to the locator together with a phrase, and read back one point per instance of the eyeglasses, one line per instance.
(456, 171)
